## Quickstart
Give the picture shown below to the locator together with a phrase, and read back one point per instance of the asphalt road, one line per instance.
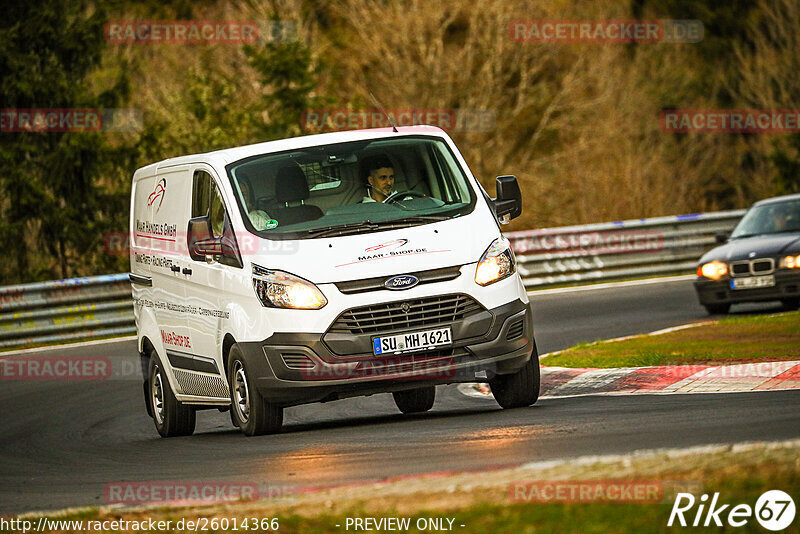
(62, 442)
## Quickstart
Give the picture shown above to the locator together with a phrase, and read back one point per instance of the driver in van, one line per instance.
(258, 218)
(380, 182)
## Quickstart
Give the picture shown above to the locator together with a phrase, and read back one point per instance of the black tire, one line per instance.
(234, 422)
(519, 389)
(791, 304)
(171, 417)
(253, 414)
(717, 309)
(415, 400)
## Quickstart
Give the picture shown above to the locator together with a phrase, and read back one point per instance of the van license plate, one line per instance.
(753, 282)
(412, 341)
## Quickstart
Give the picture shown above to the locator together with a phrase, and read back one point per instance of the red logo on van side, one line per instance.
(158, 193)
(390, 245)
(171, 338)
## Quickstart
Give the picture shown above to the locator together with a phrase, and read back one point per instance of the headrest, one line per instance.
(244, 180)
(291, 184)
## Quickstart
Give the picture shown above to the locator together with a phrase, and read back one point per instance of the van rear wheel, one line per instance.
(415, 400)
(519, 389)
(253, 414)
(171, 417)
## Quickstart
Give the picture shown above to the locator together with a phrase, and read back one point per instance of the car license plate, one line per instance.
(411, 341)
(753, 282)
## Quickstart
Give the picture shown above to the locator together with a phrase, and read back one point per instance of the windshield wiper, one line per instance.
(364, 225)
(422, 219)
(742, 236)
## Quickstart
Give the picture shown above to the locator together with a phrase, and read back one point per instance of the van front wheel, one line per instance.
(253, 414)
(171, 417)
(415, 400)
(519, 389)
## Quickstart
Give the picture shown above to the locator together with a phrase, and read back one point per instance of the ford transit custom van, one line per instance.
(324, 267)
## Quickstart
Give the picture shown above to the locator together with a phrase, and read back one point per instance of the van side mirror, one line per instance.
(201, 241)
(721, 237)
(203, 246)
(508, 204)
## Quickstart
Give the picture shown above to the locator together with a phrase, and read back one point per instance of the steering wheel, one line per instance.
(400, 195)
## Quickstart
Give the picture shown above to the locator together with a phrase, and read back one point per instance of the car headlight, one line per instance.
(278, 289)
(713, 270)
(496, 263)
(790, 262)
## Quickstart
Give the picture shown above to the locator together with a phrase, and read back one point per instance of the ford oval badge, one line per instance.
(403, 281)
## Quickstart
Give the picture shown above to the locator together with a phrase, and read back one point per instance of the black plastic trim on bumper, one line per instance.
(334, 377)
(191, 362)
(710, 292)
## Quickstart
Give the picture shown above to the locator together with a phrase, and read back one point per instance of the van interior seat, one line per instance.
(291, 187)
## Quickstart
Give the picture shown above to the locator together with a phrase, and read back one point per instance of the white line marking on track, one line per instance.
(611, 285)
(68, 345)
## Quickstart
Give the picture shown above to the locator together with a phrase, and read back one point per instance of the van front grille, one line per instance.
(406, 314)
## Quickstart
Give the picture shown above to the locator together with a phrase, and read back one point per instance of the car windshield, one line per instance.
(772, 218)
(349, 188)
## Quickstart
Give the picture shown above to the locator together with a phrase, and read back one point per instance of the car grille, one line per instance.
(405, 314)
(757, 266)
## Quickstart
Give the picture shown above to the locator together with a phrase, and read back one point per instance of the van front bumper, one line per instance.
(299, 368)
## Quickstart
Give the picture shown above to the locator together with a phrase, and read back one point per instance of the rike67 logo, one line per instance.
(774, 510)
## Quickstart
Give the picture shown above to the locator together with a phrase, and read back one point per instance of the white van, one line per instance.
(324, 267)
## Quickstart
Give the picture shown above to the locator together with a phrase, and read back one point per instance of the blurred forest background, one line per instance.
(577, 123)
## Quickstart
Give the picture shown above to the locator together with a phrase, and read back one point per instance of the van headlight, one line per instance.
(496, 263)
(278, 289)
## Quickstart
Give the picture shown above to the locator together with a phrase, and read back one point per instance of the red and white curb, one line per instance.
(563, 382)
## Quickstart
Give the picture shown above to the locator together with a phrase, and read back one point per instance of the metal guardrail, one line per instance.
(101, 306)
(613, 251)
(63, 310)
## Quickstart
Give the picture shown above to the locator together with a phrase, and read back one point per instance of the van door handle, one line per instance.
(175, 269)
(187, 270)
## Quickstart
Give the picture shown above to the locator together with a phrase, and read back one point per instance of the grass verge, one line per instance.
(483, 503)
(731, 340)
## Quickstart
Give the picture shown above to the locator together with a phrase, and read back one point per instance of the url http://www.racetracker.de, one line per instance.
(201, 524)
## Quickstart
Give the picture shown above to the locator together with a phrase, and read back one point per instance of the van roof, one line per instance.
(228, 155)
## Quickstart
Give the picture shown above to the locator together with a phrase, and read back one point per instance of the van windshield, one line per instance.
(350, 188)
